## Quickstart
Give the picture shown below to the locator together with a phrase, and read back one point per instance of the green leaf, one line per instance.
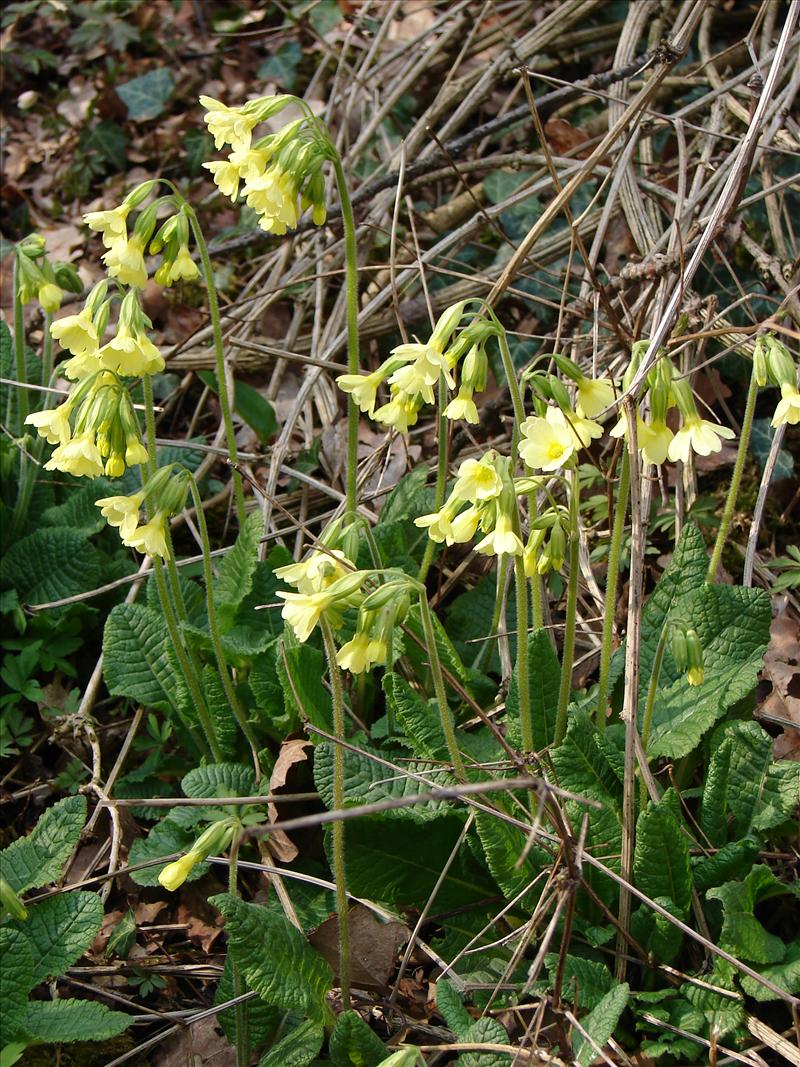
(742, 933)
(298, 1048)
(219, 710)
(281, 66)
(146, 96)
(761, 792)
(248, 403)
(485, 1031)
(661, 936)
(785, 974)
(543, 685)
(197, 148)
(49, 1022)
(79, 511)
(729, 861)
(301, 670)
(714, 806)
(275, 958)
(420, 722)
(761, 436)
(165, 838)
(51, 564)
(236, 572)
(39, 858)
(451, 1009)
(585, 982)
(109, 141)
(661, 859)
(16, 981)
(470, 617)
(600, 1023)
(59, 930)
(366, 780)
(353, 1044)
(263, 1020)
(402, 868)
(409, 499)
(136, 661)
(220, 780)
(503, 845)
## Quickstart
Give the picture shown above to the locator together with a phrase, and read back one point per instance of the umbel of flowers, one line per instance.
(280, 174)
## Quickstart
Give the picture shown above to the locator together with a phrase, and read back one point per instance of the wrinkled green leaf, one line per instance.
(298, 1048)
(38, 859)
(661, 858)
(48, 1022)
(59, 930)
(51, 564)
(353, 1044)
(600, 1023)
(220, 780)
(16, 980)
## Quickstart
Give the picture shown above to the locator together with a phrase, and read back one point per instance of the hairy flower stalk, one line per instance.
(570, 623)
(612, 577)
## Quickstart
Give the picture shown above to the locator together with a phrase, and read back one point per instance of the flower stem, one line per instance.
(523, 686)
(219, 352)
(445, 714)
(736, 478)
(242, 1010)
(612, 577)
(216, 641)
(188, 671)
(351, 281)
(338, 828)
(652, 689)
(441, 476)
(485, 652)
(571, 611)
(19, 356)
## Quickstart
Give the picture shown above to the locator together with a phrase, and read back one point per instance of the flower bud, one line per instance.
(175, 874)
(695, 674)
(139, 194)
(559, 393)
(761, 361)
(385, 594)
(446, 324)
(680, 651)
(49, 296)
(67, 277)
(781, 365)
(567, 367)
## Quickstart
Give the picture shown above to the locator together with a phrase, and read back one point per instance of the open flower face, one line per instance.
(52, 425)
(316, 573)
(548, 443)
(76, 333)
(363, 388)
(226, 177)
(303, 611)
(79, 456)
(438, 525)
(594, 396)
(788, 409)
(697, 435)
(654, 439)
(228, 125)
(477, 481)
(122, 512)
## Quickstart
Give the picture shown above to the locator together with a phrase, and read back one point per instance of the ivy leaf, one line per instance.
(275, 958)
(38, 859)
(281, 66)
(600, 1023)
(236, 571)
(220, 780)
(742, 933)
(661, 859)
(16, 981)
(48, 1022)
(108, 141)
(353, 1044)
(146, 96)
(51, 564)
(59, 930)
(298, 1048)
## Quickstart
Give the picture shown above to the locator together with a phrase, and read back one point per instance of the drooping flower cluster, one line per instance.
(162, 495)
(485, 486)
(412, 370)
(774, 366)
(38, 279)
(687, 652)
(280, 174)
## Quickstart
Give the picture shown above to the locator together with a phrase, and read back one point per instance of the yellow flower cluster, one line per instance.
(164, 495)
(281, 174)
(413, 370)
(485, 487)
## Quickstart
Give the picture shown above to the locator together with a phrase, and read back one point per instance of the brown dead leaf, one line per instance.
(563, 136)
(64, 243)
(201, 933)
(373, 946)
(110, 920)
(782, 671)
(75, 107)
(203, 1045)
(146, 913)
(291, 752)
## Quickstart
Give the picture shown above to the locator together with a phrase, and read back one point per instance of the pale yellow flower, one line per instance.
(316, 573)
(125, 262)
(695, 676)
(361, 653)
(584, 430)
(438, 525)
(273, 195)
(462, 406)
(363, 388)
(112, 225)
(228, 125)
(302, 611)
(150, 539)
(654, 439)
(76, 333)
(594, 396)
(477, 481)
(401, 412)
(79, 456)
(697, 435)
(53, 425)
(131, 354)
(135, 452)
(183, 267)
(49, 296)
(788, 409)
(121, 512)
(501, 540)
(175, 874)
(80, 366)
(250, 163)
(548, 443)
(226, 177)
(464, 525)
